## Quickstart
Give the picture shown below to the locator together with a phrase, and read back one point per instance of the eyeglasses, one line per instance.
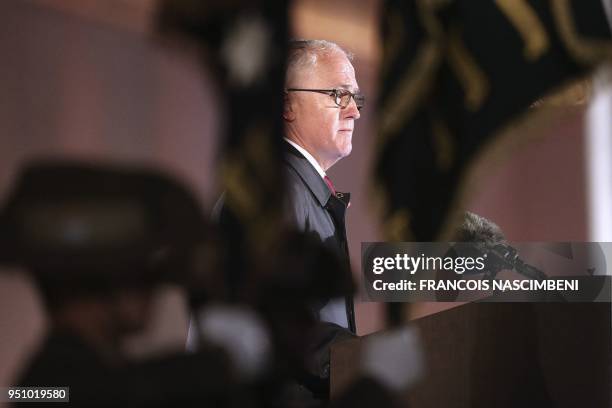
(342, 97)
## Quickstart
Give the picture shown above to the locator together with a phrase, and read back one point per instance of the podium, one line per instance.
(505, 355)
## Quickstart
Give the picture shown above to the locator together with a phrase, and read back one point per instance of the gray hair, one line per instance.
(305, 53)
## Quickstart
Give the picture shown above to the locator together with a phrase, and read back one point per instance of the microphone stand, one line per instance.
(506, 257)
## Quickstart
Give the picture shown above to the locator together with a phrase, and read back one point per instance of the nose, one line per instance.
(351, 111)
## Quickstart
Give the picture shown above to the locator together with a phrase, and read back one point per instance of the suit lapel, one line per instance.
(308, 174)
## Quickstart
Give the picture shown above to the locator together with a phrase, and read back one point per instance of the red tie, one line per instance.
(330, 185)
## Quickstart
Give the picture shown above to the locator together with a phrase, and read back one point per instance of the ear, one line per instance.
(288, 108)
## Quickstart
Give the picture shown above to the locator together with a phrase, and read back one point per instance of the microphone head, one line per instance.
(476, 236)
(480, 237)
(478, 229)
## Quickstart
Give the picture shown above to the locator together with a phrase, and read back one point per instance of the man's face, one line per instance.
(313, 119)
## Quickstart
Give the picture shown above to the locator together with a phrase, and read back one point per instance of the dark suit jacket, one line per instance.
(314, 209)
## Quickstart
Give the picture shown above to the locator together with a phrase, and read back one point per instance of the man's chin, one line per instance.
(347, 150)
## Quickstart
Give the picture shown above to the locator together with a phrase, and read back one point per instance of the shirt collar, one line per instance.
(308, 157)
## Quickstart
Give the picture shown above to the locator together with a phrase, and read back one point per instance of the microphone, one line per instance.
(484, 236)
(504, 256)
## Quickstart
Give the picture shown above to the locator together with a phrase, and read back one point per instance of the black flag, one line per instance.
(244, 42)
(454, 73)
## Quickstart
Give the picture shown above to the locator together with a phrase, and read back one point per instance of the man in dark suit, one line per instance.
(322, 102)
(321, 105)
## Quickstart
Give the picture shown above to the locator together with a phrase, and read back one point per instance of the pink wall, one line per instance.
(538, 192)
